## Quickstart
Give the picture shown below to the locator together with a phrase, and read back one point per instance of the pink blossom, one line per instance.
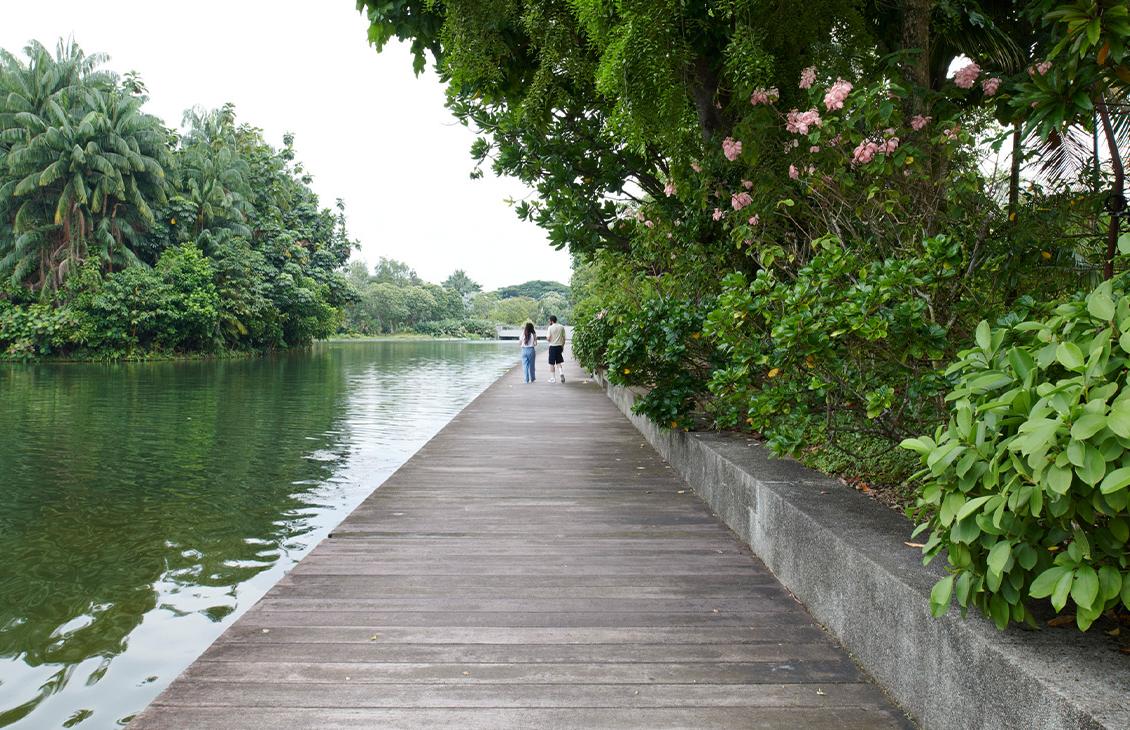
(668, 236)
(990, 86)
(696, 167)
(951, 133)
(740, 200)
(747, 184)
(835, 141)
(810, 170)
(755, 219)
(808, 77)
(717, 214)
(919, 122)
(669, 188)
(865, 152)
(1040, 68)
(764, 96)
(889, 146)
(639, 215)
(799, 122)
(732, 148)
(834, 99)
(814, 149)
(966, 75)
(649, 224)
(793, 172)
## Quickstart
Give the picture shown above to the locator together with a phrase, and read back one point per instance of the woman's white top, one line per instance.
(529, 341)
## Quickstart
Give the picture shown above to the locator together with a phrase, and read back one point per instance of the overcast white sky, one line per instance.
(366, 128)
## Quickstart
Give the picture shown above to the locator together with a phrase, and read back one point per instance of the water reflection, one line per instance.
(143, 506)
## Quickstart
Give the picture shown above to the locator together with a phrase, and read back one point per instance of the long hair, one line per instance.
(530, 334)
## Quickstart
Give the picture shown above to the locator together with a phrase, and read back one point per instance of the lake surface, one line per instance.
(143, 507)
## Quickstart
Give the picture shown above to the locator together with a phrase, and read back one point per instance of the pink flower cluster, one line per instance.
(740, 200)
(990, 86)
(648, 223)
(951, 133)
(696, 167)
(966, 75)
(732, 148)
(919, 122)
(1040, 68)
(755, 220)
(764, 96)
(808, 77)
(799, 122)
(867, 150)
(834, 99)
(747, 184)
(793, 172)
(717, 214)
(669, 188)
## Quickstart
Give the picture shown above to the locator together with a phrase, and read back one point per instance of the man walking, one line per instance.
(555, 338)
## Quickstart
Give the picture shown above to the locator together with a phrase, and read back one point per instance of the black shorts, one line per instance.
(555, 354)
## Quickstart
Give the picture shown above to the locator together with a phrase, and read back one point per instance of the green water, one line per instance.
(144, 506)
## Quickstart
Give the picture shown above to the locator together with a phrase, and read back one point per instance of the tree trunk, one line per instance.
(916, 37)
(703, 88)
(1014, 176)
(1117, 201)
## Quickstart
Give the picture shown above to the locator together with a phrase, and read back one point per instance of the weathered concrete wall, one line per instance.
(843, 556)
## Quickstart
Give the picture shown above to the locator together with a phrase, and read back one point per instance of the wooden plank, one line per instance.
(536, 564)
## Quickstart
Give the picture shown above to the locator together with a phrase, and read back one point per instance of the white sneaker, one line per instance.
(552, 380)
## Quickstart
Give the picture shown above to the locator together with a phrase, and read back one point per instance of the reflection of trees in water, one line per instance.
(123, 476)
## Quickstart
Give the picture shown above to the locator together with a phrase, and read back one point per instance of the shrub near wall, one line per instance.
(1027, 486)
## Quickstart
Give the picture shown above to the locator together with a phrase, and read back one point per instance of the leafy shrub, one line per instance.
(660, 347)
(1026, 486)
(590, 340)
(839, 337)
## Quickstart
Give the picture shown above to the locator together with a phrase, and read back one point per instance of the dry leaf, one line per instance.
(1062, 620)
(914, 544)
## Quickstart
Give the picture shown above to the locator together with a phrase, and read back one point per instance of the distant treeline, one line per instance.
(392, 298)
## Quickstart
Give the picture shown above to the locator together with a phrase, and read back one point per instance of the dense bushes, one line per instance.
(1027, 486)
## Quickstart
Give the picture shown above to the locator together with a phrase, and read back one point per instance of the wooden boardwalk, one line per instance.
(534, 565)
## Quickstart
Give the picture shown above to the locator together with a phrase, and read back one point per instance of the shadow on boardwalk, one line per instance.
(534, 565)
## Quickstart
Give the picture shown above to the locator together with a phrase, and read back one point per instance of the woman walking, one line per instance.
(529, 342)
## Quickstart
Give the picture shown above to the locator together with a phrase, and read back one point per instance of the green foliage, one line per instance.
(837, 338)
(1026, 486)
(119, 238)
(659, 347)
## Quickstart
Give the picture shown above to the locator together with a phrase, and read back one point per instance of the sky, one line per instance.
(365, 127)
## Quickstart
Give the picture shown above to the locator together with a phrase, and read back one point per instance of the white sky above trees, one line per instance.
(365, 127)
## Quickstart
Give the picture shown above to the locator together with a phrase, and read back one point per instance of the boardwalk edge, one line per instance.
(844, 557)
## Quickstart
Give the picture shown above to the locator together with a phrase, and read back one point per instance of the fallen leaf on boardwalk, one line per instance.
(266, 631)
(913, 544)
(466, 674)
(347, 679)
(820, 692)
(1114, 632)
(1125, 650)
(681, 491)
(720, 552)
(1062, 620)
(824, 491)
(374, 637)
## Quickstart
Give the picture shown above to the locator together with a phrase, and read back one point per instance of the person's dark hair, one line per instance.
(529, 332)
(553, 319)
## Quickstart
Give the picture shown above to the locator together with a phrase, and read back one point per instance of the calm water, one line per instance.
(144, 506)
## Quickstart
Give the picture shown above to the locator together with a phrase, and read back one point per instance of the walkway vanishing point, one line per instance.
(535, 565)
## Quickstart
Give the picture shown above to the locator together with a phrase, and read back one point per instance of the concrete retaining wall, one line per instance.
(843, 556)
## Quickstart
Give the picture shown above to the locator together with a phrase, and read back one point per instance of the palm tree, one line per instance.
(213, 176)
(80, 166)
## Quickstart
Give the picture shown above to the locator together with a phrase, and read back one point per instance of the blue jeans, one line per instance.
(528, 363)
